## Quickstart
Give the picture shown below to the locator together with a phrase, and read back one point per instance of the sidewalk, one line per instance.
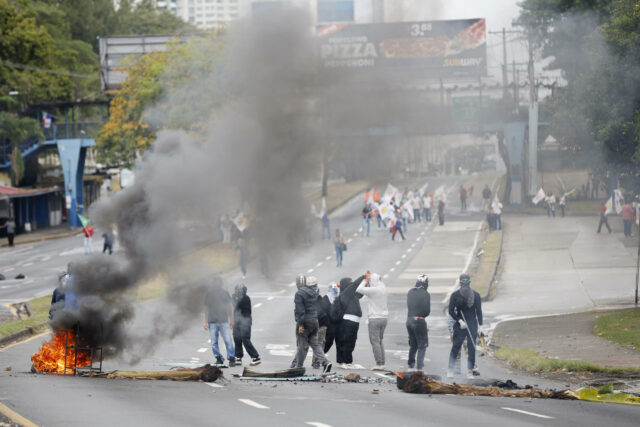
(42, 234)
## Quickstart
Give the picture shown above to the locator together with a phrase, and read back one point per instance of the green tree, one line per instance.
(145, 18)
(15, 129)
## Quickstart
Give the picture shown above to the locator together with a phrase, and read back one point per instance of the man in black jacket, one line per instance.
(418, 309)
(307, 323)
(465, 309)
(347, 333)
(242, 325)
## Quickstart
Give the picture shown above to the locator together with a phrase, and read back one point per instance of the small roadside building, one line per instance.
(31, 208)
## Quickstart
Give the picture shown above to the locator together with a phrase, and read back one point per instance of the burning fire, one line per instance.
(51, 356)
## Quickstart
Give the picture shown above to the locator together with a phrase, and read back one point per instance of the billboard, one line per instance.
(335, 11)
(430, 48)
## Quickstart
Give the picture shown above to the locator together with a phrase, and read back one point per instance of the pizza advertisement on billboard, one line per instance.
(431, 48)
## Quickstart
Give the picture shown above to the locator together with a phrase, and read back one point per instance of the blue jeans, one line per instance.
(427, 214)
(404, 224)
(225, 330)
(338, 254)
(366, 223)
(325, 226)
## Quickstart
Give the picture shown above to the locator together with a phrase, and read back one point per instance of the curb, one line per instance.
(43, 238)
(21, 334)
(492, 279)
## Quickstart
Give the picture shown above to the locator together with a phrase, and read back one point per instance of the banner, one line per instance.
(540, 196)
(430, 48)
(619, 200)
(609, 206)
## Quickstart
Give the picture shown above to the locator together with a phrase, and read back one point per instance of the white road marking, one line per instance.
(409, 250)
(381, 375)
(422, 234)
(252, 403)
(257, 305)
(533, 414)
(413, 245)
(309, 271)
(385, 276)
(317, 424)
(270, 298)
(27, 264)
(26, 282)
(398, 262)
(214, 385)
(46, 258)
(319, 264)
(403, 256)
(392, 269)
(418, 238)
(350, 240)
(329, 257)
(292, 284)
(276, 346)
(9, 269)
(359, 231)
(202, 350)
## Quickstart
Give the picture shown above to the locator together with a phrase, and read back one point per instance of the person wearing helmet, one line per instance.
(418, 309)
(242, 325)
(376, 292)
(465, 308)
(307, 324)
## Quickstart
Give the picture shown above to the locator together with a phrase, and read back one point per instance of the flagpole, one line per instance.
(638, 267)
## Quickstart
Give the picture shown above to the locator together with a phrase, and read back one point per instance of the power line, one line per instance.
(44, 70)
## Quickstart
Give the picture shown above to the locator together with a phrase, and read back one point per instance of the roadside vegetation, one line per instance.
(530, 360)
(40, 310)
(622, 328)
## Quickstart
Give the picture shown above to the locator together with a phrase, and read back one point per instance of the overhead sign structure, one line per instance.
(431, 48)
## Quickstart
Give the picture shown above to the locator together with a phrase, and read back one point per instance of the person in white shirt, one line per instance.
(376, 292)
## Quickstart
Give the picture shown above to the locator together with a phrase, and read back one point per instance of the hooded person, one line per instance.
(418, 309)
(307, 324)
(333, 291)
(218, 318)
(242, 325)
(377, 313)
(465, 309)
(58, 297)
(348, 303)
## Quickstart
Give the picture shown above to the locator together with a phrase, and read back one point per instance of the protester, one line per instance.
(10, 225)
(563, 204)
(441, 212)
(340, 246)
(497, 212)
(366, 218)
(486, 196)
(301, 280)
(428, 204)
(397, 226)
(418, 309)
(323, 307)
(551, 205)
(465, 308)
(325, 225)
(491, 219)
(307, 324)
(108, 241)
(416, 201)
(348, 307)
(242, 326)
(58, 297)
(603, 219)
(332, 293)
(376, 292)
(627, 218)
(243, 255)
(218, 318)
(463, 198)
(88, 239)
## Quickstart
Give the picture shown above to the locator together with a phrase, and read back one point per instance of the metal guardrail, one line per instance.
(71, 130)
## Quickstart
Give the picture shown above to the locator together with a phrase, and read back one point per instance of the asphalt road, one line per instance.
(56, 400)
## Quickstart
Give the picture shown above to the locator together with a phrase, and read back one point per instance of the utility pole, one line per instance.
(504, 63)
(533, 125)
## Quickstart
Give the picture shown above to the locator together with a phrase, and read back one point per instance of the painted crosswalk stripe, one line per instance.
(252, 403)
(533, 414)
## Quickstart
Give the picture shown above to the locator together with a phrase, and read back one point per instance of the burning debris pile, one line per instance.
(62, 354)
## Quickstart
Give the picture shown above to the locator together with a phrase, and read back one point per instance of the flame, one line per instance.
(398, 374)
(51, 356)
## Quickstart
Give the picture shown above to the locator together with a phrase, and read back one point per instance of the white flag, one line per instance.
(609, 206)
(423, 189)
(619, 200)
(407, 207)
(390, 192)
(240, 221)
(539, 197)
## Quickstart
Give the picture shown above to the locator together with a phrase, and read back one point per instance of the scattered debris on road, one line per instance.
(206, 373)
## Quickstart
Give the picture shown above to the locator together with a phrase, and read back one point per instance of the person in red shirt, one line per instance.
(627, 218)
(603, 218)
(463, 198)
(88, 239)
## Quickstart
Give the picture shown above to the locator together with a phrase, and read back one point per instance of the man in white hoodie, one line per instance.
(376, 292)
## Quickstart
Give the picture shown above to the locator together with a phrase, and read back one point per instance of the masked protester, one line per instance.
(376, 292)
(465, 308)
(307, 323)
(242, 326)
(418, 309)
(349, 304)
(323, 307)
(332, 293)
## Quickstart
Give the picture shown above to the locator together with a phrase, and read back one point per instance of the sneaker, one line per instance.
(470, 375)
(219, 361)
(449, 373)
(255, 361)
(293, 365)
(379, 368)
(326, 368)
(232, 362)
(315, 365)
(239, 361)
(411, 369)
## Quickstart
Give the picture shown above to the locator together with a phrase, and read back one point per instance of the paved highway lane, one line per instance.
(55, 400)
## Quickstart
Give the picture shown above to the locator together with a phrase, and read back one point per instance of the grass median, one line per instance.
(622, 328)
(529, 360)
(39, 308)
